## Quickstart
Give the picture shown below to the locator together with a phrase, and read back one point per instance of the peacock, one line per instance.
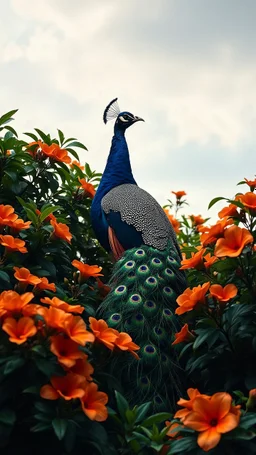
(146, 280)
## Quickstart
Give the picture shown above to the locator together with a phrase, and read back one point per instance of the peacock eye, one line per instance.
(126, 117)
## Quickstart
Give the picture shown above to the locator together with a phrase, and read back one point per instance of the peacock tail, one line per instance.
(144, 286)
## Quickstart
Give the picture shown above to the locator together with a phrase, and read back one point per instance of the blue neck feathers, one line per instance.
(118, 168)
(117, 172)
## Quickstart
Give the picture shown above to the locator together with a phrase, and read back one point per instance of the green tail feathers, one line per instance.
(144, 286)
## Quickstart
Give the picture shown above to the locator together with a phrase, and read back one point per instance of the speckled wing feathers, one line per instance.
(139, 209)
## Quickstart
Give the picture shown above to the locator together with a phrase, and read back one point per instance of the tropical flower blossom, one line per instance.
(58, 303)
(174, 222)
(209, 260)
(230, 210)
(191, 297)
(216, 231)
(54, 317)
(172, 433)
(212, 416)
(103, 333)
(25, 277)
(233, 243)
(93, 403)
(75, 328)
(67, 351)
(12, 244)
(179, 194)
(183, 335)
(197, 220)
(83, 368)
(76, 163)
(251, 183)
(12, 303)
(249, 201)
(7, 215)
(86, 270)
(187, 404)
(195, 262)
(19, 224)
(88, 188)
(20, 330)
(125, 343)
(223, 294)
(61, 231)
(45, 285)
(68, 387)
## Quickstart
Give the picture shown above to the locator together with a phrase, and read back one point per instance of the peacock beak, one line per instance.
(138, 119)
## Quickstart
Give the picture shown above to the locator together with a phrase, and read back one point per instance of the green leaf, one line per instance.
(156, 418)
(61, 137)
(12, 130)
(6, 117)
(33, 136)
(142, 410)
(122, 404)
(73, 152)
(60, 427)
(41, 426)
(46, 138)
(14, 364)
(77, 144)
(184, 445)
(32, 216)
(4, 277)
(248, 420)
(130, 416)
(7, 416)
(47, 211)
(216, 199)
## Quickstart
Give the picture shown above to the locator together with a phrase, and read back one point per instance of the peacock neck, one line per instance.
(118, 168)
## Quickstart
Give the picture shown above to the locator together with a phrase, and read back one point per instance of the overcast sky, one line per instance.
(187, 67)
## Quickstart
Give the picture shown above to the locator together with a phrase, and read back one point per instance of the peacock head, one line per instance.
(123, 119)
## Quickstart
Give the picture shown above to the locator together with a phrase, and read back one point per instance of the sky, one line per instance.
(186, 66)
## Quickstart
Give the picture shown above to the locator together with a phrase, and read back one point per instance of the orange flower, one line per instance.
(174, 222)
(191, 297)
(44, 284)
(76, 163)
(216, 231)
(55, 153)
(103, 333)
(211, 417)
(183, 335)
(209, 260)
(88, 188)
(68, 387)
(249, 201)
(179, 194)
(195, 262)
(57, 303)
(187, 404)
(61, 231)
(125, 343)
(12, 244)
(7, 215)
(22, 274)
(93, 403)
(171, 429)
(83, 368)
(20, 330)
(75, 328)
(13, 303)
(19, 224)
(230, 210)
(54, 317)
(233, 243)
(223, 294)
(67, 351)
(251, 183)
(197, 219)
(103, 288)
(87, 270)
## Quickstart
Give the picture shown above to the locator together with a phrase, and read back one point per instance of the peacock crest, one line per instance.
(112, 111)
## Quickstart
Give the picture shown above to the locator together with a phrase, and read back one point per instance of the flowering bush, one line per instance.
(56, 395)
